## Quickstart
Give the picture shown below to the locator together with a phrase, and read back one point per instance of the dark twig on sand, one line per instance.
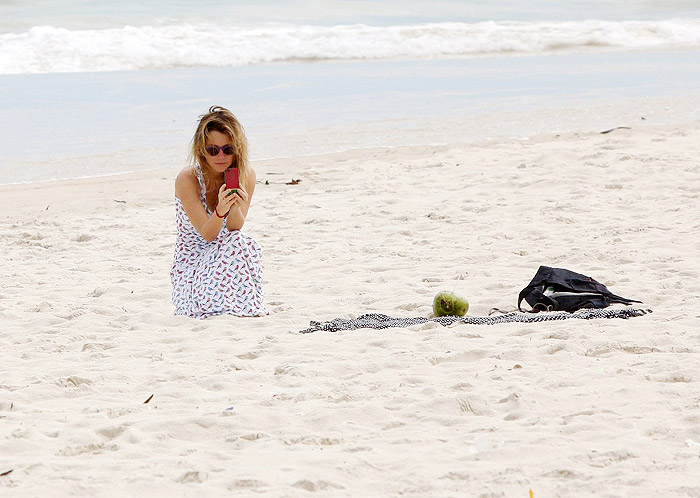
(616, 128)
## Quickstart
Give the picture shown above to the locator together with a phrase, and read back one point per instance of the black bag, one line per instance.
(557, 289)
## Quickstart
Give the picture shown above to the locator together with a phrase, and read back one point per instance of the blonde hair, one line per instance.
(222, 120)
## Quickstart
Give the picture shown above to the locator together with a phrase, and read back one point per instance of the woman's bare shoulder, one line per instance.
(186, 182)
(251, 175)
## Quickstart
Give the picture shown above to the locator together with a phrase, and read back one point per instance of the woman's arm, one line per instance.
(239, 210)
(187, 190)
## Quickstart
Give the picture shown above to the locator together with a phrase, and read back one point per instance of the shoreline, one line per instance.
(133, 118)
(642, 114)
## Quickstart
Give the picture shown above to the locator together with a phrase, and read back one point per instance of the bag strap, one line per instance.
(533, 294)
(543, 273)
(522, 295)
(622, 300)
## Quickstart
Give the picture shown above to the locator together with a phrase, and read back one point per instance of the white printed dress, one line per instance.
(221, 277)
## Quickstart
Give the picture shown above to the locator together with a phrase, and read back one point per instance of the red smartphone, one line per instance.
(231, 178)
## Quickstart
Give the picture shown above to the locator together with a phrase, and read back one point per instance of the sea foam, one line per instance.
(47, 49)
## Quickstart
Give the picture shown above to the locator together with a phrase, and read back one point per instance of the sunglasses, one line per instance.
(213, 150)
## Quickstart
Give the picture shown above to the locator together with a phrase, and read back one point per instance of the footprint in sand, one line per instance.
(319, 485)
(246, 484)
(193, 476)
(96, 449)
(111, 432)
(73, 382)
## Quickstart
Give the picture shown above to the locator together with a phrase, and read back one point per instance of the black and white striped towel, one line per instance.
(379, 321)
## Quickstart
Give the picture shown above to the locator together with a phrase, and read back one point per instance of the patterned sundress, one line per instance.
(221, 277)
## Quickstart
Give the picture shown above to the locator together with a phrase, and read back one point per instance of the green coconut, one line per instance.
(449, 304)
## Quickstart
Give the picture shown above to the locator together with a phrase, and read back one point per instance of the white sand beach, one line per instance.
(103, 392)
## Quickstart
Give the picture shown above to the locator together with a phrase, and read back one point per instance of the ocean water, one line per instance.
(80, 35)
(82, 77)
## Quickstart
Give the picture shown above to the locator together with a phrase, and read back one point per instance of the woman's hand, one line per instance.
(228, 198)
(241, 202)
(226, 201)
(238, 196)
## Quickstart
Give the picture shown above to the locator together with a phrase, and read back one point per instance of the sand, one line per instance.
(103, 392)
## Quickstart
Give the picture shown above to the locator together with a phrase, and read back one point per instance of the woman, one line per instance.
(216, 269)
